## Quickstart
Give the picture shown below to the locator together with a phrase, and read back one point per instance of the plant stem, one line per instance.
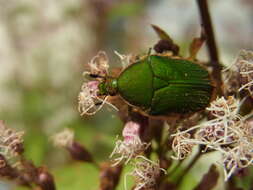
(190, 165)
(211, 44)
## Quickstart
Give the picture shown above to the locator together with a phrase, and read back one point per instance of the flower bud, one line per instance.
(79, 153)
(45, 180)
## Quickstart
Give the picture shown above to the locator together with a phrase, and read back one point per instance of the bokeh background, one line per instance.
(44, 46)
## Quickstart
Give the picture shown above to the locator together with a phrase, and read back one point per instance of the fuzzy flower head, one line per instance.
(228, 133)
(125, 59)
(99, 64)
(223, 108)
(181, 146)
(64, 138)
(88, 101)
(238, 157)
(11, 143)
(131, 146)
(239, 76)
(145, 173)
(244, 63)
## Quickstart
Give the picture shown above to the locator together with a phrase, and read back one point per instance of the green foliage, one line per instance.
(76, 176)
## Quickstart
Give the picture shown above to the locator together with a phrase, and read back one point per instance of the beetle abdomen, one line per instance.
(188, 88)
(161, 85)
(179, 98)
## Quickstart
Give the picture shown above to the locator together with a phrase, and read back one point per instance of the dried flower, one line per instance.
(238, 157)
(239, 75)
(244, 63)
(131, 146)
(181, 146)
(77, 151)
(64, 138)
(224, 108)
(125, 59)
(228, 133)
(99, 64)
(145, 173)
(11, 144)
(88, 101)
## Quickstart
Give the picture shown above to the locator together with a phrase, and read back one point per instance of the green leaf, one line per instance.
(76, 176)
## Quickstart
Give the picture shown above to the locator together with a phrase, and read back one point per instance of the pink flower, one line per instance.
(131, 146)
(130, 131)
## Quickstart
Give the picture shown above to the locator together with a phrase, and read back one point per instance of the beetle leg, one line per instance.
(196, 44)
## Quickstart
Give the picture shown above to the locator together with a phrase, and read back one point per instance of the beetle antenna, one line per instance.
(95, 76)
(92, 75)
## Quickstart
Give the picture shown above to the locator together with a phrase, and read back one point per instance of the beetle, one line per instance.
(159, 85)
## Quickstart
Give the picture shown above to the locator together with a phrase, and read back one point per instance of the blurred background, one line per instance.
(44, 46)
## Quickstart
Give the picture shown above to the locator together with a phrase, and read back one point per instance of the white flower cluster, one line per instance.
(245, 65)
(145, 173)
(11, 144)
(227, 133)
(89, 101)
(99, 64)
(181, 147)
(239, 75)
(64, 138)
(125, 59)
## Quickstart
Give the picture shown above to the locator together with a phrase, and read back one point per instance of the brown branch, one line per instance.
(211, 44)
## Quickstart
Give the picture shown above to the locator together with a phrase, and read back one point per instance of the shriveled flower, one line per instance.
(181, 146)
(65, 138)
(247, 127)
(125, 59)
(238, 157)
(145, 173)
(11, 144)
(88, 98)
(239, 75)
(228, 133)
(131, 146)
(244, 63)
(99, 64)
(222, 107)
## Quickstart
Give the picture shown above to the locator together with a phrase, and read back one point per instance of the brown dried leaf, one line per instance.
(196, 45)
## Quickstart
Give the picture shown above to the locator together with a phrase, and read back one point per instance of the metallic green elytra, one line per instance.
(160, 85)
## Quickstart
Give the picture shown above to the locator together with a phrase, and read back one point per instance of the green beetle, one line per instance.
(159, 85)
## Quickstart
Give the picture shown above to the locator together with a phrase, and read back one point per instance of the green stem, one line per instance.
(190, 165)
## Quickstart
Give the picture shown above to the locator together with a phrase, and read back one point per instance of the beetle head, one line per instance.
(108, 87)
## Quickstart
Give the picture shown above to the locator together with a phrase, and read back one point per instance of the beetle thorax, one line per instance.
(108, 87)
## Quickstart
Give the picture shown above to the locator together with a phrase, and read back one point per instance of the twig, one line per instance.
(211, 44)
